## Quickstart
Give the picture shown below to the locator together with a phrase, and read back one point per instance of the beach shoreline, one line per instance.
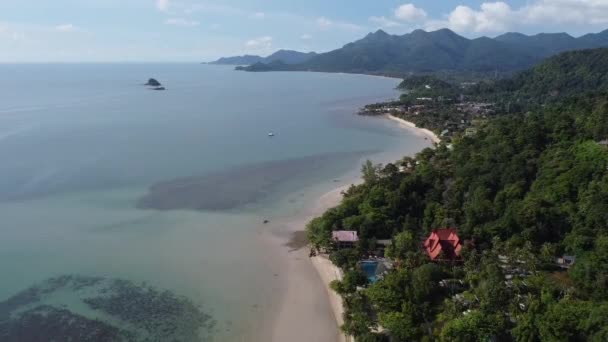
(306, 309)
(307, 300)
(412, 126)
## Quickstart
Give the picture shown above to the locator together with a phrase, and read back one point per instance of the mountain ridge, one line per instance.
(443, 50)
(286, 56)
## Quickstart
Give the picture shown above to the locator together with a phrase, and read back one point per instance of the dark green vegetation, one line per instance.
(420, 51)
(422, 83)
(289, 57)
(529, 187)
(285, 56)
(260, 66)
(449, 109)
(428, 86)
(559, 77)
(238, 60)
(76, 308)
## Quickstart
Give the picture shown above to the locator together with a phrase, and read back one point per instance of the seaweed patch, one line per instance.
(78, 308)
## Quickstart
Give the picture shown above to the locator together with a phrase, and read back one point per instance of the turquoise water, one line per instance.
(81, 145)
(370, 268)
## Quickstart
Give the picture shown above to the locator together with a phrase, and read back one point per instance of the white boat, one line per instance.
(271, 134)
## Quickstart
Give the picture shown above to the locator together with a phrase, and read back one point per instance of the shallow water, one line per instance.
(81, 145)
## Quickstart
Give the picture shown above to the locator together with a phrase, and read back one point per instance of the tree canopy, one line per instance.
(528, 188)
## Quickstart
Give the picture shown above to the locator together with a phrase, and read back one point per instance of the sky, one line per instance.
(199, 30)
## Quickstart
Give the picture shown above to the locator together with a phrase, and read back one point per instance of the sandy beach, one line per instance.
(307, 309)
(419, 131)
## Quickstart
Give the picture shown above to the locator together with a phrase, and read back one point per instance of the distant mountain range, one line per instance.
(442, 50)
(238, 60)
(285, 56)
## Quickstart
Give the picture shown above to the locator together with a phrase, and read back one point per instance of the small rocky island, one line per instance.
(155, 84)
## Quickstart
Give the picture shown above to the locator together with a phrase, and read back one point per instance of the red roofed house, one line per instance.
(443, 244)
(345, 238)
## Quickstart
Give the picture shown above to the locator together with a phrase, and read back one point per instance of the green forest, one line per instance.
(555, 79)
(528, 188)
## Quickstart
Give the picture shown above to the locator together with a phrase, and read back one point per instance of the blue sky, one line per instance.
(199, 30)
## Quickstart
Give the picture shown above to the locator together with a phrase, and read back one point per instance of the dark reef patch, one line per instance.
(234, 188)
(78, 308)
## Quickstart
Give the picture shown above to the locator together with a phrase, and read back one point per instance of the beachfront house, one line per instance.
(345, 238)
(443, 245)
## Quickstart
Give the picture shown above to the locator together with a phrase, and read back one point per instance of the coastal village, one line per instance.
(450, 117)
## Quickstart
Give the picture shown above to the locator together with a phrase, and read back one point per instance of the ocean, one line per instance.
(103, 178)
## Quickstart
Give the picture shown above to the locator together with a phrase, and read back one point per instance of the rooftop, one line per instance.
(345, 236)
(443, 244)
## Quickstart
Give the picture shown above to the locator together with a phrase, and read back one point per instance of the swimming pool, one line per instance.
(370, 268)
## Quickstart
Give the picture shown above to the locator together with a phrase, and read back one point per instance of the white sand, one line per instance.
(308, 310)
(410, 125)
(328, 273)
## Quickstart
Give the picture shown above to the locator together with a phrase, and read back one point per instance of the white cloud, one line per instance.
(260, 43)
(258, 15)
(384, 22)
(326, 24)
(214, 9)
(162, 5)
(496, 17)
(9, 34)
(409, 12)
(578, 12)
(65, 28)
(492, 17)
(306, 36)
(182, 22)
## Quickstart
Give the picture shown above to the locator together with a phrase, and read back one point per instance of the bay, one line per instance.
(83, 145)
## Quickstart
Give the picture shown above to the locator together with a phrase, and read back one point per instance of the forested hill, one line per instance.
(283, 56)
(525, 190)
(444, 50)
(238, 60)
(422, 82)
(563, 75)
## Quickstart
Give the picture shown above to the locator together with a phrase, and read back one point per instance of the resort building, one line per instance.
(345, 238)
(566, 261)
(443, 245)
